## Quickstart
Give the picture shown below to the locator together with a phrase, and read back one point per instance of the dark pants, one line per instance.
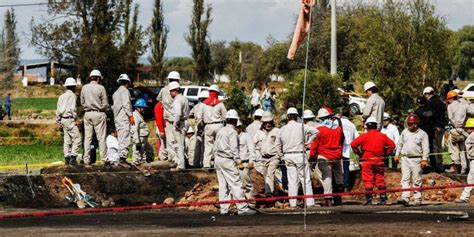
(436, 161)
(348, 184)
(8, 111)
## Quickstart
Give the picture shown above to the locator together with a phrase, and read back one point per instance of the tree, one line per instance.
(90, 36)
(183, 65)
(236, 99)
(9, 50)
(220, 57)
(158, 36)
(461, 48)
(199, 42)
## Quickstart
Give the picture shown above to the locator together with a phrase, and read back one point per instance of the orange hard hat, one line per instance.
(413, 118)
(451, 94)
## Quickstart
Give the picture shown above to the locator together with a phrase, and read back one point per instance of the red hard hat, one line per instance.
(412, 118)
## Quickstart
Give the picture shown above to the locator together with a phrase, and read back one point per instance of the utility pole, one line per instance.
(333, 39)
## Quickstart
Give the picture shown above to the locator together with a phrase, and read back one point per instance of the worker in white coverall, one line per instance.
(67, 119)
(113, 154)
(179, 117)
(196, 112)
(213, 115)
(190, 146)
(466, 193)
(290, 144)
(227, 160)
(389, 129)
(123, 117)
(266, 151)
(165, 97)
(412, 150)
(375, 104)
(457, 114)
(247, 156)
(256, 125)
(142, 149)
(95, 103)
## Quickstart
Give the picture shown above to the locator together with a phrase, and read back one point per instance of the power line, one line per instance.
(23, 5)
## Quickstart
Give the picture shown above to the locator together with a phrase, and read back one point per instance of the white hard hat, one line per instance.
(428, 90)
(232, 114)
(173, 85)
(457, 91)
(267, 116)
(190, 130)
(370, 120)
(368, 85)
(258, 113)
(95, 73)
(323, 112)
(239, 123)
(308, 114)
(70, 82)
(123, 77)
(203, 94)
(214, 88)
(386, 115)
(174, 75)
(292, 110)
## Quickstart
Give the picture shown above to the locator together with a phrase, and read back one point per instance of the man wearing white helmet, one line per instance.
(190, 146)
(266, 151)
(375, 104)
(213, 115)
(247, 156)
(67, 119)
(255, 126)
(180, 116)
(308, 118)
(291, 146)
(196, 113)
(439, 122)
(123, 116)
(165, 97)
(95, 103)
(389, 129)
(226, 163)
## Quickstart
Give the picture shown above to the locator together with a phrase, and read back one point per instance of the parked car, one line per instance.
(469, 92)
(356, 101)
(192, 92)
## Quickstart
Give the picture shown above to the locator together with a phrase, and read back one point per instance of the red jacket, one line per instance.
(160, 121)
(374, 145)
(328, 143)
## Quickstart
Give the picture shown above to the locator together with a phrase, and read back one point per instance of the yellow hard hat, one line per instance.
(470, 123)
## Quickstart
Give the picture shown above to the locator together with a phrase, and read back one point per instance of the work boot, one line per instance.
(328, 202)
(249, 212)
(368, 197)
(338, 199)
(383, 196)
(72, 160)
(404, 202)
(66, 160)
(461, 201)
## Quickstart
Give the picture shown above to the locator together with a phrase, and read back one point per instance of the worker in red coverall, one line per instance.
(327, 149)
(371, 147)
(160, 131)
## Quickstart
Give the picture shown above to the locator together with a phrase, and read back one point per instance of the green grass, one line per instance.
(31, 154)
(34, 103)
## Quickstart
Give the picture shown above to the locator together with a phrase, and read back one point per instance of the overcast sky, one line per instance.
(246, 20)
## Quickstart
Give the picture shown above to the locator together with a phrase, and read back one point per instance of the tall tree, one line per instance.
(9, 50)
(158, 37)
(198, 39)
(132, 46)
(461, 48)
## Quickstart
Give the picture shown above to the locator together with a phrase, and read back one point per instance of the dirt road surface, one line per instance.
(346, 220)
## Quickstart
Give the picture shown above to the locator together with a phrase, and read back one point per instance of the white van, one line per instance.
(192, 92)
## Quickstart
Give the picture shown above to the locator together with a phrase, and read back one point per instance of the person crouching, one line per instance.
(371, 147)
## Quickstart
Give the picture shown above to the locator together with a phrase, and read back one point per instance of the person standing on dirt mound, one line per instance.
(226, 164)
(457, 114)
(213, 114)
(375, 104)
(123, 117)
(371, 147)
(167, 101)
(466, 193)
(95, 104)
(67, 119)
(255, 126)
(142, 149)
(412, 150)
(180, 126)
(247, 156)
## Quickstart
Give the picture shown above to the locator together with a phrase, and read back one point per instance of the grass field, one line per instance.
(34, 103)
(37, 153)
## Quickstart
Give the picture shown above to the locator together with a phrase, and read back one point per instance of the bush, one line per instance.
(321, 90)
(237, 100)
(4, 133)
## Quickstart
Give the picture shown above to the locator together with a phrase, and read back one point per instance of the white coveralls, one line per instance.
(199, 134)
(226, 162)
(253, 128)
(122, 109)
(66, 116)
(190, 149)
(466, 193)
(290, 143)
(180, 115)
(374, 108)
(247, 155)
(95, 104)
(213, 117)
(140, 133)
(267, 156)
(165, 97)
(457, 114)
(413, 147)
(113, 148)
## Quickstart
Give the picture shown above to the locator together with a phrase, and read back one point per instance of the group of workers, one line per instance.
(212, 137)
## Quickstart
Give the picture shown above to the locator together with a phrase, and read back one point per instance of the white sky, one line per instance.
(246, 20)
